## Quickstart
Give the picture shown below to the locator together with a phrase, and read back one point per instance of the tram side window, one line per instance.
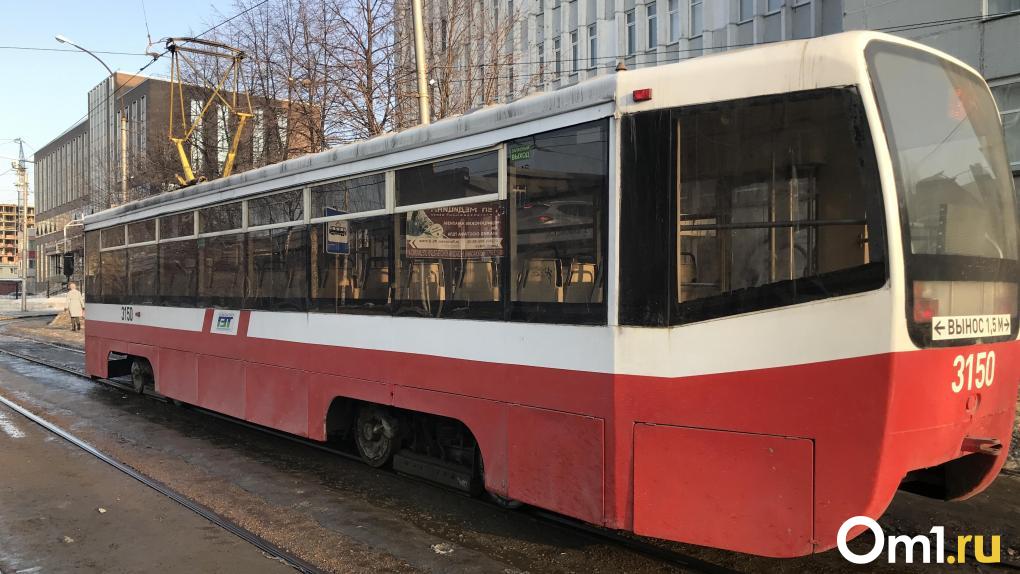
(141, 231)
(451, 261)
(142, 274)
(558, 185)
(178, 272)
(277, 269)
(354, 195)
(778, 204)
(92, 289)
(112, 236)
(351, 263)
(281, 207)
(220, 218)
(177, 225)
(113, 275)
(457, 178)
(221, 271)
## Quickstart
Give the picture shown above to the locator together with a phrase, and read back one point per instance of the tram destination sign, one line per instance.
(336, 233)
(970, 327)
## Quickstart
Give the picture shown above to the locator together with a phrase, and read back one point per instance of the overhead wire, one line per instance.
(43, 49)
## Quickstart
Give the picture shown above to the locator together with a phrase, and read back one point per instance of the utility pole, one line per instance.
(123, 148)
(424, 108)
(21, 183)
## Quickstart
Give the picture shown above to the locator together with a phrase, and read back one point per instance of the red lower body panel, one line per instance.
(770, 461)
(740, 491)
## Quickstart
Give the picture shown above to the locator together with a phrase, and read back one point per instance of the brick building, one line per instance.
(79, 172)
(10, 246)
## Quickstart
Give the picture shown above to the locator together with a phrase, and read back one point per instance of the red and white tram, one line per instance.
(732, 301)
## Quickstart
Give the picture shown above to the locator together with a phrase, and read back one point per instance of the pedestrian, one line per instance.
(75, 306)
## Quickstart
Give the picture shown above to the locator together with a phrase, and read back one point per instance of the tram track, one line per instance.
(630, 543)
(262, 544)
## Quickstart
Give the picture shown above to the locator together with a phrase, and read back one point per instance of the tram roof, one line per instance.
(834, 60)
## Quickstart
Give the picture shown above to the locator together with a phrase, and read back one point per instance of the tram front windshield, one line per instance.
(954, 184)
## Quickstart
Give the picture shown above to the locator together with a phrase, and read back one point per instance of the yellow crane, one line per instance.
(181, 131)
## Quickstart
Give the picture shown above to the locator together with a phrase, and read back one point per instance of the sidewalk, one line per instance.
(50, 327)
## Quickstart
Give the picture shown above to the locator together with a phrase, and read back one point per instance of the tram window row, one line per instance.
(537, 256)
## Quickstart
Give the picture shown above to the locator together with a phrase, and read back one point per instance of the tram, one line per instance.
(732, 301)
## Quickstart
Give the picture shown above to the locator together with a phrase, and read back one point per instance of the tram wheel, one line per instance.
(141, 375)
(375, 435)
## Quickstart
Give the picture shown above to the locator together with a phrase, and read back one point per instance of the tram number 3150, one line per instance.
(127, 313)
(974, 370)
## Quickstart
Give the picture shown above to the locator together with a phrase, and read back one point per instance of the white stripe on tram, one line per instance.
(841, 328)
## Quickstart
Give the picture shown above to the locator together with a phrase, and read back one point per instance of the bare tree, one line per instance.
(470, 48)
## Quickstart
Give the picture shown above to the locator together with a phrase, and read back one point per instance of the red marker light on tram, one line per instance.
(642, 95)
(926, 303)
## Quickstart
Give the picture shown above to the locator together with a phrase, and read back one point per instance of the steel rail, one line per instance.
(199, 509)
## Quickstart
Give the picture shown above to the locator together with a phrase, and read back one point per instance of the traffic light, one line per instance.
(68, 264)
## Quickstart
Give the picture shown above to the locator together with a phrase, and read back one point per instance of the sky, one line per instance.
(43, 93)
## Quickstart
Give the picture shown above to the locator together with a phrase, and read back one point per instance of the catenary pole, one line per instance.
(419, 55)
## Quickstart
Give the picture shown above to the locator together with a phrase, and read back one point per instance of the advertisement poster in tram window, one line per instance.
(462, 232)
(336, 234)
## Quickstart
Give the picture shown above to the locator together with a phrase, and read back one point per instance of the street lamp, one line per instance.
(123, 116)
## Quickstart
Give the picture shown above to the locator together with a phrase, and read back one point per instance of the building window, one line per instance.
(631, 33)
(258, 138)
(774, 5)
(557, 65)
(746, 10)
(222, 137)
(696, 21)
(575, 53)
(674, 20)
(997, 7)
(281, 126)
(653, 21)
(801, 20)
(541, 62)
(196, 137)
(593, 46)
